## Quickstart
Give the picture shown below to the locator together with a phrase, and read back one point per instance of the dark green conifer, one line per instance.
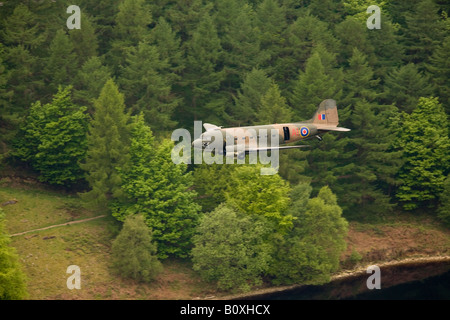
(108, 144)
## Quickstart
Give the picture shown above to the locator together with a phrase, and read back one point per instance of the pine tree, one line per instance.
(374, 164)
(90, 80)
(424, 142)
(84, 40)
(294, 165)
(301, 37)
(108, 141)
(439, 67)
(240, 41)
(22, 28)
(362, 190)
(132, 26)
(53, 139)
(271, 21)
(103, 14)
(184, 16)
(360, 165)
(203, 76)
(21, 80)
(387, 47)
(352, 33)
(405, 85)
(5, 94)
(318, 82)
(22, 36)
(61, 64)
(248, 99)
(330, 11)
(168, 44)
(132, 21)
(148, 88)
(273, 107)
(133, 251)
(359, 82)
(224, 13)
(397, 10)
(158, 189)
(424, 32)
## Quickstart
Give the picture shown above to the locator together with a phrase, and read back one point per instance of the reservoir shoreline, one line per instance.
(351, 282)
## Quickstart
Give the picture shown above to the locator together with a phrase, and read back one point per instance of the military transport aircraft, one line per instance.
(269, 137)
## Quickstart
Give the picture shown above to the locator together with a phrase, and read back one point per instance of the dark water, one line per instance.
(432, 288)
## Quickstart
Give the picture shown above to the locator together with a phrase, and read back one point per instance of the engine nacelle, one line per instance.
(229, 151)
(240, 155)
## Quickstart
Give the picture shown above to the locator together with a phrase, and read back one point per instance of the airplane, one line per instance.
(258, 138)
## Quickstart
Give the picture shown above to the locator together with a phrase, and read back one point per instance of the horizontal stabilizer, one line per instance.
(328, 128)
(273, 148)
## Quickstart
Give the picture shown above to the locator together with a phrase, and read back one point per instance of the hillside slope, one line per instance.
(46, 254)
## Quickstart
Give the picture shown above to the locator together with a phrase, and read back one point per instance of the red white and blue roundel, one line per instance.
(304, 131)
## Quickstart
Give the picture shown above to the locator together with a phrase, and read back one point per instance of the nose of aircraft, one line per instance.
(197, 143)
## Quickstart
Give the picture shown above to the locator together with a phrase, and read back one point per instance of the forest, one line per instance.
(90, 111)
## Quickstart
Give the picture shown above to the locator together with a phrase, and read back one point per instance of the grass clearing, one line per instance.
(45, 255)
(38, 208)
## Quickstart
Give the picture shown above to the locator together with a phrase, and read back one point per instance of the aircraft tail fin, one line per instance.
(326, 116)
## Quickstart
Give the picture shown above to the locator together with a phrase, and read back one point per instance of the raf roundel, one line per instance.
(304, 131)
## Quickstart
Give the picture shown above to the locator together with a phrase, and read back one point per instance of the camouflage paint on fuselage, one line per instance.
(286, 133)
(239, 139)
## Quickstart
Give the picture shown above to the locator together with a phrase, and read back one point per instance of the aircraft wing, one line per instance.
(329, 128)
(273, 148)
(209, 126)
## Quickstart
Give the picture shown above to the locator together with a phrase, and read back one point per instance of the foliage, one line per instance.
(424, 31)
(203, 76)
(210, 181)
(229, 249)
(273, 107)
(319, 81)
(61, 63)
(158, 189)
(130, 28)
(439, 67)
(53, 139)
(231, 63)
(12, 279)
(248, 99)
(90, 80)
(310, 253)
(134, 253)
(148, 91)
(424, 142)
(405, 85)
(107, 140)
(259, 195)
(22, 35)
(85, 42)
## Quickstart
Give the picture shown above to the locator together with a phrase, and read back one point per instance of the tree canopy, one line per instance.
(92, 110)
